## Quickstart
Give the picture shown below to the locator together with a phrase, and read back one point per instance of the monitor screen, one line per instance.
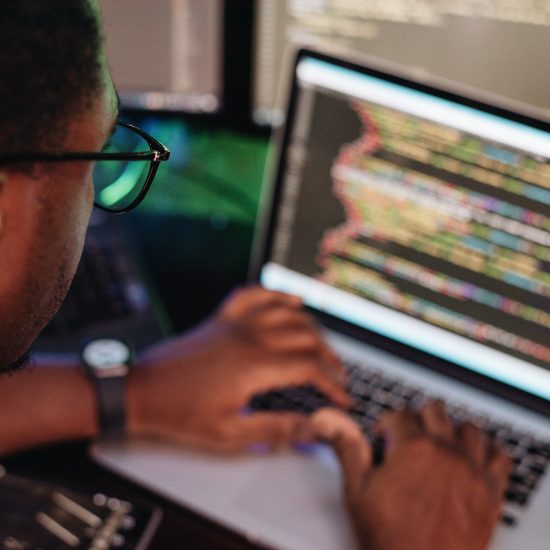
(166, 54)
(496, 45)
(418, 215)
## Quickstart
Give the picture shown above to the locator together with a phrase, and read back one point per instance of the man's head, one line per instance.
(56, 95)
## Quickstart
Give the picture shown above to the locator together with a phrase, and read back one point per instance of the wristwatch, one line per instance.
(108, 362)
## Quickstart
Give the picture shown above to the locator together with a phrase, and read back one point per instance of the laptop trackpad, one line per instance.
(301, 497)
(289, 500)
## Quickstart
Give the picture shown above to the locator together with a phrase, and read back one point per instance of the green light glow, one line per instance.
(123, 185)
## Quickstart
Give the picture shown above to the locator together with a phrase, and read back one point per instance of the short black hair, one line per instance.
(49, 69)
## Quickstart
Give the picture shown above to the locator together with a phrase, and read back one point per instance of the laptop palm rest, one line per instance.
(290, 499)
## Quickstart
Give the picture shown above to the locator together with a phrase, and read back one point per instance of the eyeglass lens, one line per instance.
(118, 183)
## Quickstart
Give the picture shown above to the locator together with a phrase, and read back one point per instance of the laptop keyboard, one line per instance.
(374, 393)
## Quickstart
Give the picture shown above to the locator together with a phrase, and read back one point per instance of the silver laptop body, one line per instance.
(414, 221)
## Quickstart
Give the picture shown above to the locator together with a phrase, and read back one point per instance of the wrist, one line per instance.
(138, 414)
(46, 419)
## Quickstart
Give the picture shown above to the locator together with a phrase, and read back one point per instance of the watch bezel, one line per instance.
(108, 370)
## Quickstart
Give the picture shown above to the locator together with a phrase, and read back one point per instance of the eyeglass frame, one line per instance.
(157, 154)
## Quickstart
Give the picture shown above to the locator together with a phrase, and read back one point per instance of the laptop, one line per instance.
(413, 219)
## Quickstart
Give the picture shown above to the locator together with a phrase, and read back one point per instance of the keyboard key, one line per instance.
(517, 494)
(508, 519)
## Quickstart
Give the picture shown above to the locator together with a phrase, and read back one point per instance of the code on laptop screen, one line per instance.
(420, 218)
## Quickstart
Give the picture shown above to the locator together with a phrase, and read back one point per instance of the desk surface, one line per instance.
(69, 465)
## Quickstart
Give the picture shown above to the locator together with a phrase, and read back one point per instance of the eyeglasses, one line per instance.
(123, 171)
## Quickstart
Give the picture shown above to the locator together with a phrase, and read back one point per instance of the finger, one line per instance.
(272, 428)
(282, 320)
(282, 315)
(291, 338)
(474, 443)
(398, 427)
(436, 421)
(334, 362)
(499, 469)
(248, 299)
(296, 321)
(304, 342)
(331, 382)
(295, 370)
(262, 431)
(349, 443)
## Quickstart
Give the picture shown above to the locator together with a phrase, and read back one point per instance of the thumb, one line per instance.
(352, 448)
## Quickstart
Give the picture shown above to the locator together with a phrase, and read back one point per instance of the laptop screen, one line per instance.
(418, 215)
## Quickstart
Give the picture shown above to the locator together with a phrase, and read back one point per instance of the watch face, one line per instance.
(106, 353)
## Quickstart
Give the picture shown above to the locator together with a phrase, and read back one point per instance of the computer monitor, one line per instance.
(498, 46)
(166, 54)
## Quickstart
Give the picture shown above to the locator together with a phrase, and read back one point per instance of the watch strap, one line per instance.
(108, 361)
(111, 401)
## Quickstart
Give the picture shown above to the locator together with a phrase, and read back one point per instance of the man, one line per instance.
(440, 485)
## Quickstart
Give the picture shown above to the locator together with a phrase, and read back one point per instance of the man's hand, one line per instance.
(439, 486)
(195, 389)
